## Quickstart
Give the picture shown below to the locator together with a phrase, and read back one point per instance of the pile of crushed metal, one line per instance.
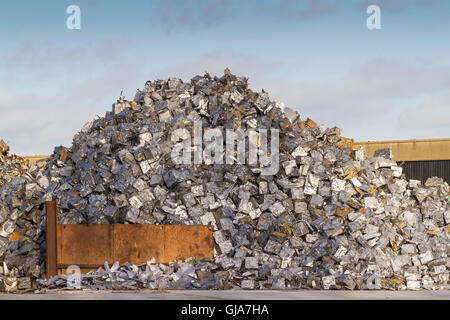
(329, 218)
(11, 166)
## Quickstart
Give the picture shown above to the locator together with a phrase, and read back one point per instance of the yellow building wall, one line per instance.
(34, 159)
(411, 150)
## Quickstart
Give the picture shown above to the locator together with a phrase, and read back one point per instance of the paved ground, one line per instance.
(233, 295)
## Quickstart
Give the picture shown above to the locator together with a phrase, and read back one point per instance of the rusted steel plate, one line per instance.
(183, 242)
(138, 243)
(51, 238)
(89, 246)
(84, 245)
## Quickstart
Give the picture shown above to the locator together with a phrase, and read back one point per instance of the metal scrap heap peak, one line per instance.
(328, 218)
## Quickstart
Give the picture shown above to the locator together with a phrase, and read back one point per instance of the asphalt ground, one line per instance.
(232, 295)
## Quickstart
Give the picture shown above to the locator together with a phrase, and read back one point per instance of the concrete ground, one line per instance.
(232, 295)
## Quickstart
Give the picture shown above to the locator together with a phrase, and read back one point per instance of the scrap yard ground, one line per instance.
(234, 295)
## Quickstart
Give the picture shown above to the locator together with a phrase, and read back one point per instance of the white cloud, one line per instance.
(191, 14)
(49, 92)
(36, 124)
(432, 114)
(180, 15)
(397, 5)
(45, 54)
(311, 9)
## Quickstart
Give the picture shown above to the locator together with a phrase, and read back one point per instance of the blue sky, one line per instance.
(317, 57)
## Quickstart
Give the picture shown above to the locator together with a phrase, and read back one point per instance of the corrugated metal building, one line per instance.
(420, 159)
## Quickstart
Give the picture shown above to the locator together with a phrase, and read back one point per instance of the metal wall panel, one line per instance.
(422, 170)
(89, 246)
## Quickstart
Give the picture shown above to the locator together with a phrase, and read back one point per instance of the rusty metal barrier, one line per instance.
(89, 246)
